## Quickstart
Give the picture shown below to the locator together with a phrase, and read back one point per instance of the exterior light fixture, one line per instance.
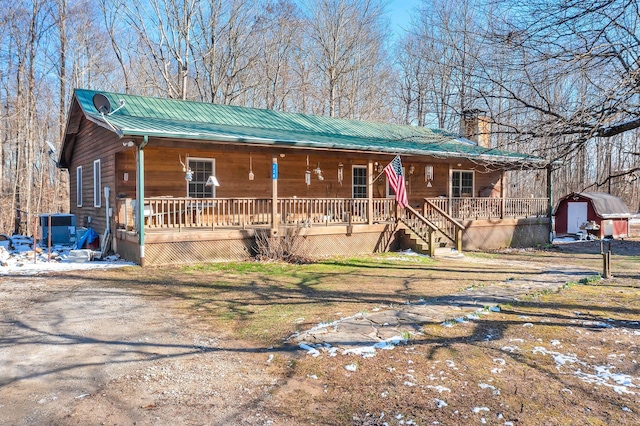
(340, 172)
(251, 175)
(412, 169)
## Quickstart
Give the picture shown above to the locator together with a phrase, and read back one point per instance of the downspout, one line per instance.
(140, 196)
(550, 197)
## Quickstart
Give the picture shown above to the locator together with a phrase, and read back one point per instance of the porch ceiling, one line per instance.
(167, 118)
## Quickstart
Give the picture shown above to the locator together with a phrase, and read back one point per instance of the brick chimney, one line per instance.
(476, 126)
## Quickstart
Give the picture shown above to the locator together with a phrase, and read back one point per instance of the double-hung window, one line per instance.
(201, 169)
(359, 187)
(97, 185)
(79, 186)
(462, 183)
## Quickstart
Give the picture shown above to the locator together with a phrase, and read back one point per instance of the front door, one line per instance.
(576, 216)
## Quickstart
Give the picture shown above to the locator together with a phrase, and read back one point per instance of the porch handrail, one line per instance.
(186, 212)
(179, 212)
(420, 226)
(447, 225)
(465, 208)
(309, 211)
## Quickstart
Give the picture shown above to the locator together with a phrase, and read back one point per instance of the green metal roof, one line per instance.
(170, 118)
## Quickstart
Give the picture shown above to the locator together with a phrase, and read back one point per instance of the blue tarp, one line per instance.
(88, 237)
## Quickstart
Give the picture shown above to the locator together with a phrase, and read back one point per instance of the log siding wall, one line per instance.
(164, 175)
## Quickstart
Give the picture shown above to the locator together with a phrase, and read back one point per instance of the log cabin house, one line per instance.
(170, 181)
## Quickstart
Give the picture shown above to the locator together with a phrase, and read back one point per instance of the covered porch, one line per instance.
(183, 213)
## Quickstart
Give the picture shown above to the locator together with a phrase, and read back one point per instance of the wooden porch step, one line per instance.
(444, 247)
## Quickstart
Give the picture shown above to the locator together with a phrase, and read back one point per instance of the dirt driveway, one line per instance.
(73, 351)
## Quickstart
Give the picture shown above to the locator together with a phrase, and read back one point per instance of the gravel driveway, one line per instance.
(73, 351)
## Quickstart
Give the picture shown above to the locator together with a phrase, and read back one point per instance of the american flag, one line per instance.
(396, 181)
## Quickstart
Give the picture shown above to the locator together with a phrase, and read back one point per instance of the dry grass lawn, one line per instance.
(563, 358)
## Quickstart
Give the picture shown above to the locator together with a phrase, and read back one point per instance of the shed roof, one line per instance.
(178, 119)
(606, 206)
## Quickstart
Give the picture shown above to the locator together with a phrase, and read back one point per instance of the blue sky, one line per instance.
(399, 13)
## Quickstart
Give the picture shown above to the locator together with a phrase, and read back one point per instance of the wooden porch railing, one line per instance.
(175, 212)
(310, 211)
(447, 225)
(465, 208)
(420, 226)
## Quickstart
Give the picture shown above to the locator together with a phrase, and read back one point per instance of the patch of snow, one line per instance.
(479, 409)
(627, 409)
(499, 361)
(495, 309)
(410, 384)
(351, 367)
(555, 343)
(310, 350)
(510, 349)
(438, 388)
(527, 324)
(517, 340)
(440, 403)
(497, 370)
(597, 324)
(602, 377)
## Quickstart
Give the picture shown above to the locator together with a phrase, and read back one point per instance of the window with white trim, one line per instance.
(462, 183)
(79, 186)
(201, 169)
(97, 184)
(359, 182)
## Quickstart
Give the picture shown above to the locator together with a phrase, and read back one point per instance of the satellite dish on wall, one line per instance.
(101, 103)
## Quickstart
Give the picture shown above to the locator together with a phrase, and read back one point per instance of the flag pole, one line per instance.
(380, 174)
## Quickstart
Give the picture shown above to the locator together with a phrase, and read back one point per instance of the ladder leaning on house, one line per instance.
(432, 222)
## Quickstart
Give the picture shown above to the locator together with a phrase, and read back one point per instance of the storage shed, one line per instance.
(599, 214)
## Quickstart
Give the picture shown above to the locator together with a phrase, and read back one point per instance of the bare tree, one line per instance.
(346, 38)
(438, 60)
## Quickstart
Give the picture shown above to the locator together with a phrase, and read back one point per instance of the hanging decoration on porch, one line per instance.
(251, 175)
(318, 171)
(188, 174)
(212, 181)
(340, 172)
(428, 175)
(307, 174)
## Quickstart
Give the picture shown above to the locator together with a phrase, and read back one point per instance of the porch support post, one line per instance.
(502, 200)
(140, 196)
(550, 197)
(432, 243)
(459, 239)
(370, 191)
(274, 194)
(450, 189)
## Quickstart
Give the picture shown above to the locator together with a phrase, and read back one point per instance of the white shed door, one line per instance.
(576, 216)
